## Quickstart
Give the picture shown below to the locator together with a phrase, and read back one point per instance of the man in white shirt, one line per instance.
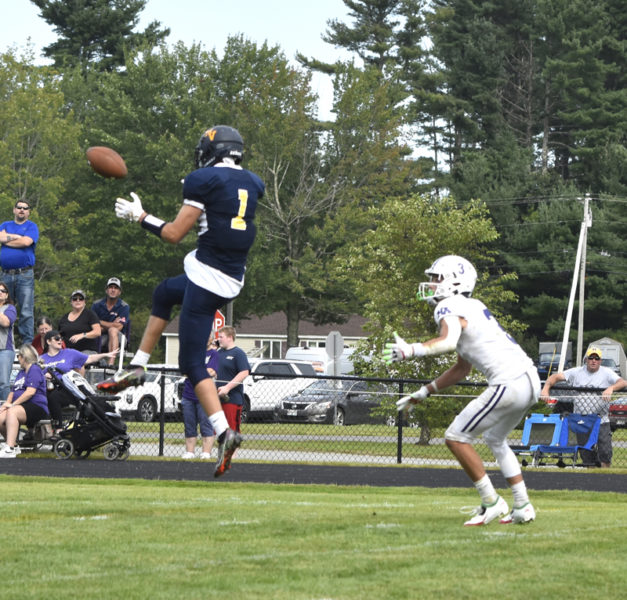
(592, 375)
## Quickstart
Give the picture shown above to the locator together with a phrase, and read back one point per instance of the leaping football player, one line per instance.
(467, 326)
(222, 198)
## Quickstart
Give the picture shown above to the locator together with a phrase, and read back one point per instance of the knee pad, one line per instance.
(457, 436)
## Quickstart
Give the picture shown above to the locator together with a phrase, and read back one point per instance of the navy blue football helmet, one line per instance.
(217, 143)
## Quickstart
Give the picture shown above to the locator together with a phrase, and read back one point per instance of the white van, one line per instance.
(322, 363)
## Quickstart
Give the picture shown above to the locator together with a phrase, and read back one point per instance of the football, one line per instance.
(106, 162)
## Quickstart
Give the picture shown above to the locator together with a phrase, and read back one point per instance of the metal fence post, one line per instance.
(399, 430)
(162, 414)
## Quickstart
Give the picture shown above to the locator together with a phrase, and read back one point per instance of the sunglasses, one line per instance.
(23, 207)
(593, 358)
(76, 298)
(56, 338)
(4, 290)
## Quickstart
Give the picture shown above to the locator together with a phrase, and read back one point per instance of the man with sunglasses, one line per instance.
(18, 239)
(592, 375)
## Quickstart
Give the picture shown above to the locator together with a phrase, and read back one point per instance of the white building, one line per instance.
(267, 336)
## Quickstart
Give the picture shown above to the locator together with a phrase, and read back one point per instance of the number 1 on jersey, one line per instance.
(238, 222)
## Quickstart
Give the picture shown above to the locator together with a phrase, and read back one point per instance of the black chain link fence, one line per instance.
(347, 420)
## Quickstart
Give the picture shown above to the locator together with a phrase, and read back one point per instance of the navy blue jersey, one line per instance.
(228, 197)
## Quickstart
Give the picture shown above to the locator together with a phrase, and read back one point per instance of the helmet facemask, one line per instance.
(448, 276)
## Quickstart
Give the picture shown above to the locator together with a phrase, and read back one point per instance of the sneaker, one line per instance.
(229, 444)
(205, 456)
(521, 514)
(188, 455)
(8, 452)
(122, 380)
(484, 514)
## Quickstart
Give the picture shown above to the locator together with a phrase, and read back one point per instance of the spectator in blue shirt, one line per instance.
(114, 315)
(18, 240)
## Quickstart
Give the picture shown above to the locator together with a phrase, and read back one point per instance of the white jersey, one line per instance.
(483, 342)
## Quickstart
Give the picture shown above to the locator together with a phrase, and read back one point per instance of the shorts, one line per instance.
(496, 411)
(34, 413)
(194, 417)
(233, 414)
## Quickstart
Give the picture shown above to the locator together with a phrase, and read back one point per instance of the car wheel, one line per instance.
(340, 417)
(146, 409)
(245, 411)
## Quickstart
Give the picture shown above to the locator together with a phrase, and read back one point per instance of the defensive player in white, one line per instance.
(467, 326)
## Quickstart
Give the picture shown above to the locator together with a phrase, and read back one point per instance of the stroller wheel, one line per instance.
(64, 448)
(124, 454)
(111, 452)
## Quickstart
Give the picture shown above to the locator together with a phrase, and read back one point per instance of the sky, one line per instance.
(295, 26)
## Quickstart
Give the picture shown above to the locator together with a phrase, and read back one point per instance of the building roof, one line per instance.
(276, 325)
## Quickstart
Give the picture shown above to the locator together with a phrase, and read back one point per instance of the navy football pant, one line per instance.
(196, 319)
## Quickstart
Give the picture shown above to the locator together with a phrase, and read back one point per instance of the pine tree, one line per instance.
(96, 33)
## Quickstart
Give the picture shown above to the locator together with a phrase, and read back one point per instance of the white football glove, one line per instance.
(131, 211)
(400, 350)
(406, 403)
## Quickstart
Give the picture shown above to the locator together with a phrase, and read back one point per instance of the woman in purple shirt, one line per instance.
(27, 402)
(64, 360)
(8, 316)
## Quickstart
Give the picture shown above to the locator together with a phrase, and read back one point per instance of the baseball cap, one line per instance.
(78, 293)
(114, 281)
(594, 350)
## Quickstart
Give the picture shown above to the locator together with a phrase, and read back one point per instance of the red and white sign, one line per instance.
(218, 321)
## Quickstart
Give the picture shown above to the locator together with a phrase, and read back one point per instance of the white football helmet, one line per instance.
(450, 275)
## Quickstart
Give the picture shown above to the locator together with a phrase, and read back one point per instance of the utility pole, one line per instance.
(580, 266)
(587, 216)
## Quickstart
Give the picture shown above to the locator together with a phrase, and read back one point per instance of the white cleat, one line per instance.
(521, 515)
(485, 514)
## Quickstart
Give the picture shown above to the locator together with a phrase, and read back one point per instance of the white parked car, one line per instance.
(143, 402)
(270, 380)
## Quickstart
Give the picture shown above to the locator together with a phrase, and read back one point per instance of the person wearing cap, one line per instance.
(56, 358)
(592, 375)
(18, 240)
(80, 327)
(114, 315)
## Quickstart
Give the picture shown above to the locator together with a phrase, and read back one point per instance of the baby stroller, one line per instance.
(95, 423)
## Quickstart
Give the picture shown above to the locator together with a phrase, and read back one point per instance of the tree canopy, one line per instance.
(460, 126)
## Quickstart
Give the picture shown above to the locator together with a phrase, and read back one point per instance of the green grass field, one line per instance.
(135, 539)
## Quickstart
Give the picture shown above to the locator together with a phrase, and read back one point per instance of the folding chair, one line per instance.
(539, 429)
(579, 432)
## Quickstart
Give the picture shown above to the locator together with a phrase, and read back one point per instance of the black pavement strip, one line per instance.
(562, 479)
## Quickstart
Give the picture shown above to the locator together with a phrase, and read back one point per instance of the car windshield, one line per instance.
(324, 386)
(548, 357)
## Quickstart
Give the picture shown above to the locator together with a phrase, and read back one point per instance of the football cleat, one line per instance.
(122, 380)
(229, 444)
(521, 515)
(485, 514)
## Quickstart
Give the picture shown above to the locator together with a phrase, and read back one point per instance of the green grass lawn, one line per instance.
(135, 539)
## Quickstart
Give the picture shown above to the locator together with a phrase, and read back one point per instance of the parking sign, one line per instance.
(218, 321)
